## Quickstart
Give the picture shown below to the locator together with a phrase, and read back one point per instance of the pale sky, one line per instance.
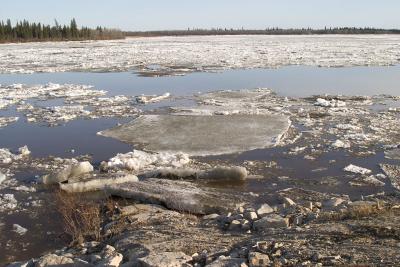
(181, 14)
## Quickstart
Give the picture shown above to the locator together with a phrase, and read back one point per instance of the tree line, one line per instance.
(267, 31)
(24, 31)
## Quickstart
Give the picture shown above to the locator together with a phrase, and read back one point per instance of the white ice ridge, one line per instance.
(200, 52)
(140, 161)
(202, 135)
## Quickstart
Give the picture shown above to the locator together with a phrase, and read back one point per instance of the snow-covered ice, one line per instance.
(19, 229)
(144, 99)
(356, 169)
(140, 161)
(193, 53)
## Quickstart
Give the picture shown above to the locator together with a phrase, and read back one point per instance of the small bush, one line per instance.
(81, 217)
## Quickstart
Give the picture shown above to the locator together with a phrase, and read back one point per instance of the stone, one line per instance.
(224, 261)
(245, 225)
(271, 221)
(250, 215)
(257, 259)
(21, 264)
(288, 202)
(332, 203)
(235, 225)
(165, 259)
(264, 210)
(110, 257)
(213, 216)
(54, 260)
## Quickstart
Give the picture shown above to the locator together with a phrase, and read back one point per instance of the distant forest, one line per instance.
(268, 31)
(24, 31)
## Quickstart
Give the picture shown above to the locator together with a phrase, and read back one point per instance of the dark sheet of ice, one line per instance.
(202, 135)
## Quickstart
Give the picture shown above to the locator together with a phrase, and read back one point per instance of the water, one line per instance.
(294, 81)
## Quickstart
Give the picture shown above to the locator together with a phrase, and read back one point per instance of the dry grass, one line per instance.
(357, 212)
(81, 217)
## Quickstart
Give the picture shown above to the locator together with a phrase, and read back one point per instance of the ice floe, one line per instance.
(356, 169)
(202, 135)
(4, 121)
(144, 99)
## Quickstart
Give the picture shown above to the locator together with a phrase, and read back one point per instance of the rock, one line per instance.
(177, 195)
(245, 225)
(264, 210)
(288, 202)
(271, 221)
(165, 259)
(257, 259)
(224, 261)
(54, 260)
(235, 225)
(22, 264)
(250, 215)
(211, 216)
(110, 257)
(332, 203)
(19, 229)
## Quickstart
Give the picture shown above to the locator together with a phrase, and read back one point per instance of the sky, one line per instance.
(183, 14)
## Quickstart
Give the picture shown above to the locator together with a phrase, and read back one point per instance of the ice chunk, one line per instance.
(144, 99)
(8, 202)
(96, 184)
(178, 195)
(329, 103)
(4, 121)
(141, 161)
(341, 144)
(24, 151)
(217, 174)
(202, 135)
(2, 177)
(356, 169)
(70, 171)
(19, 229)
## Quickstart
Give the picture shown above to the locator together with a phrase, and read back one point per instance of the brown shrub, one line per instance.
(81, 217)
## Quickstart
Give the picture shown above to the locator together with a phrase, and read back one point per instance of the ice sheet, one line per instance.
(202, 135)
